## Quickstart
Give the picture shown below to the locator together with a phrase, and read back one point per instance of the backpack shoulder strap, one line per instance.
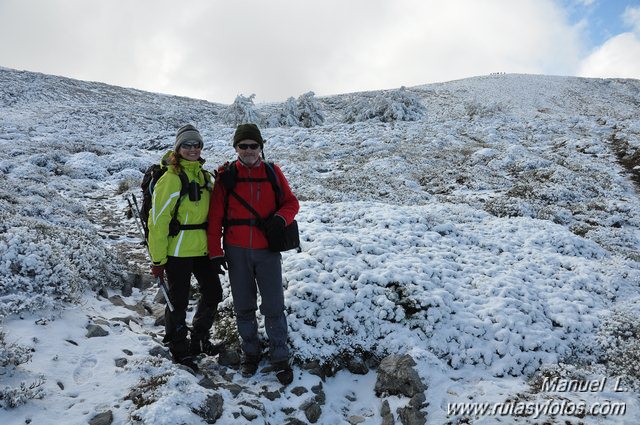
(275, 184)
(184, 182)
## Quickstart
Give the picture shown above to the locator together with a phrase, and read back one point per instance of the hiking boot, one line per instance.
(188, 362)
(204, 346)
(283, 371)
(249, 365)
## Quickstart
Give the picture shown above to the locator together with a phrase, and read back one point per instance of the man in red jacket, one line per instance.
(245, 250)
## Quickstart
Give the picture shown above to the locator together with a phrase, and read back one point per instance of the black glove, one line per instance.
(219, 265)
(275, 225)
(274, 230)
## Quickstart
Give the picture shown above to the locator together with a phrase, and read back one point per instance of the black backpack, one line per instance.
(149, 180)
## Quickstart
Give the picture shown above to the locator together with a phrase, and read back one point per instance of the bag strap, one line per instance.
(259, 220)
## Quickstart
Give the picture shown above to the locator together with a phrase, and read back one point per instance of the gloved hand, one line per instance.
(274, 231)
(218, 264)
(157, 271)
(274, 225)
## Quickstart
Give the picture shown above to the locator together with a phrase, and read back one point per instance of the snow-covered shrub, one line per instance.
(48, 252)
(467, 286)
(13, 354)
(285, 117)
(304, 112)
(309, 111)
(394, 105)
(13, 397)
(242, 111)
(475, 108)
(86, 165)
(619, 338)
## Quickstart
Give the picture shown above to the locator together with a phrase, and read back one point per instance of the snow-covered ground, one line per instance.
(495, 240)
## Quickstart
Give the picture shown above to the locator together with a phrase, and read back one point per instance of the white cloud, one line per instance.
(216, 49)
(619, 57)
(631, 18)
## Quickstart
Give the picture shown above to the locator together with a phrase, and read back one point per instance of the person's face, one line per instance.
(248, 151)
(190, 150)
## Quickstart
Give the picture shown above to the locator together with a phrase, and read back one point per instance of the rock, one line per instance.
(271, 395)
(103, 292)
(229, 357)
(248, 415)
(60, 385)
(95, 331)
(127, 352)
(385, 409)
(418, 401)
(159, 298)
(104, 418)
(294, 421)
(213, 407)
(121, 362)
(208, 384)
(410, 416)
(320, 395)
(357, 367)
(299, 391)
(234, 389)
(159, 351)
(396, 375)
(127, 319)
(140, 281)
(159, 320)
(388, 420)
(127, 290)
(287, 410)
(154, 310)
(312, 411)
(351, 396)
(355, 420)
(373, 362)
(316, 389)
(117, 300)
(314, 368)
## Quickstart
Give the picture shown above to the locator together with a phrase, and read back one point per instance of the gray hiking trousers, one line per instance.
(251, 270)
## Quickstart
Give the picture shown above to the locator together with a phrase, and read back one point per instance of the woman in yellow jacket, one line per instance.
(178, 246)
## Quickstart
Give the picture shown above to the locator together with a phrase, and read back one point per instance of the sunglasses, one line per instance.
(191, 145)
(252, 146)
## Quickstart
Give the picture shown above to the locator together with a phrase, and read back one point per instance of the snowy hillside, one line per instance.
(494, 237)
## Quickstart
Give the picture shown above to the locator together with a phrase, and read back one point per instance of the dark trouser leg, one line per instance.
(268, 270)
(210, 297)
(244, 292)
(178, 279)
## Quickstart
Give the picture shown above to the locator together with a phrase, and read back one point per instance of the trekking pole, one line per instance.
(159, 280)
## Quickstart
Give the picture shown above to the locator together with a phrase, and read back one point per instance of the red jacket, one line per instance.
(260, 196)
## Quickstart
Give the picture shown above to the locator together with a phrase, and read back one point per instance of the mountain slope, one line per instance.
(494, 238)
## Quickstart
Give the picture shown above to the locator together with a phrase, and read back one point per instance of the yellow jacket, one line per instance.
(187, 243)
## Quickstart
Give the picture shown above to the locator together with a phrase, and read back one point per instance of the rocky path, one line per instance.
(311, 398)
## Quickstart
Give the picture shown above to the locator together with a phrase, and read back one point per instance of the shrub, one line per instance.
(395, 105)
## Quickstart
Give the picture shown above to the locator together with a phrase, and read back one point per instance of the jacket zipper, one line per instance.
(250, 203)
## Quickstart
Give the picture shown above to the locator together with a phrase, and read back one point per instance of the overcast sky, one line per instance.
(215, 50)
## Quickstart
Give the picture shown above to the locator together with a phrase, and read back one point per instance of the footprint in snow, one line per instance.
(84, 371)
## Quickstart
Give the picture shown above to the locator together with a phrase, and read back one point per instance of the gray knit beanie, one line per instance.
(187, 133)
(247, 132)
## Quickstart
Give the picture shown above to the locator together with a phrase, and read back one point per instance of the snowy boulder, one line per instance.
(213, 408)
(396, 375)
(105, 418)
(96, 331)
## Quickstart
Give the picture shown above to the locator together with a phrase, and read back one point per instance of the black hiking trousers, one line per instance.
(179, 271)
